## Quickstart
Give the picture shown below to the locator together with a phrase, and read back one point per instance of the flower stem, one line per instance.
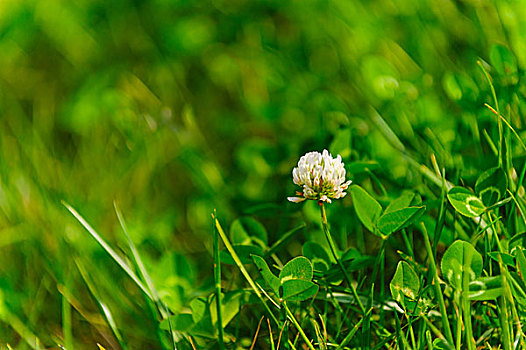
(333, 251)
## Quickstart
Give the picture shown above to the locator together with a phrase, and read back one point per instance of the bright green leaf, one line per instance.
(367, 208)
(503, 60)
(405, 283)
(486, 288)
(247, 230)
(460, 259)
(465, 202)
(298, 268)
(298, 290)
(271, 280)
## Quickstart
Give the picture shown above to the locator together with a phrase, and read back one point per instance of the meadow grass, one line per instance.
(146, 151)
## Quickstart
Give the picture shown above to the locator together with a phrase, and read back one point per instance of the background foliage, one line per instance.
(174, 108)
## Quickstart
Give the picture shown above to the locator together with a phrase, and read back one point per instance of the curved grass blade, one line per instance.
(103, 308)
(162, 308)
(110, 251)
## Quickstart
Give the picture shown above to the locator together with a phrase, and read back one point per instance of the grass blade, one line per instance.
(109, 250)
(103, 308)
(217, 278)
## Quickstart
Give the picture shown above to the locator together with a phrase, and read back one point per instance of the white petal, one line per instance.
(296, 199)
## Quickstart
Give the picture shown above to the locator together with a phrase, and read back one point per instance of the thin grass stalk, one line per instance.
(298, 327)
(271, 336)
(332, 246)
(504, 324)
(429, 340)
(436, 283)
(466, 309)
(67, 329)
(494, 94)
(244, 272)
(458, 333)
(217, 278)
(351, 334)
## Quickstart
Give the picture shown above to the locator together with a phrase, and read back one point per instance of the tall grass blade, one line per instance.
(217, 278)
(102, 306)
(110, 251)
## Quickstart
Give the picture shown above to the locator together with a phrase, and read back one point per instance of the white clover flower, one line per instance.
(321, 176)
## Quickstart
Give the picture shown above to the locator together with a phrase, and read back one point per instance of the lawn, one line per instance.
(234, 174)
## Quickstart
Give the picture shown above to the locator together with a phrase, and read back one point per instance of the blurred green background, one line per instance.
(174, 108)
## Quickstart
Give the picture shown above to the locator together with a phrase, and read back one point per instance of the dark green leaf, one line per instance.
(243, 251)
(491, 186)
(317, 255)
(521, 262)
(507, 259)
(517, 240)
(341, 144)
(247, 230)
(404, 201)
(398, 219)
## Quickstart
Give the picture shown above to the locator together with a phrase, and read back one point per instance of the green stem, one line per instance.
(298, 327)
(504, 325)
(458, 333)
(239, 264)
(351, 334)
(411, 331)
(436, 283)
(217, 278)
(379, 262)
(333, 251)
(466, 307)
(499, 122)
(429, 340)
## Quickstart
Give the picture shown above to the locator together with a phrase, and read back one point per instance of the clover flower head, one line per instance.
(321, 176)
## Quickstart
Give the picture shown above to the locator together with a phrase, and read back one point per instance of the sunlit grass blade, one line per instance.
(67, 330)
(110, 251)
(162, 309)
(298, 327)
(136, 257)
(26, 334)
(239, 264)
(102, 306)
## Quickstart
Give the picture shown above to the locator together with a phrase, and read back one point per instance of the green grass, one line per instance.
(177, 110)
